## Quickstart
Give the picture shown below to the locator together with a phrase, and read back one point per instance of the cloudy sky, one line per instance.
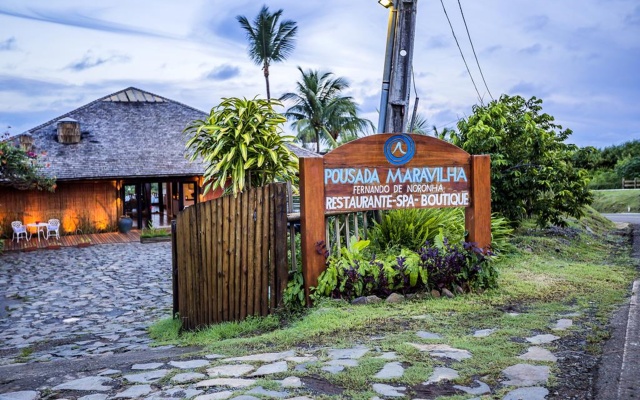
(581, 57)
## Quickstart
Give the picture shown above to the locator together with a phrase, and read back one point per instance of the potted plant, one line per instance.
(125, 224)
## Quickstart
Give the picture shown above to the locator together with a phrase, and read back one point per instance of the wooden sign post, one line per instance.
(386, 172)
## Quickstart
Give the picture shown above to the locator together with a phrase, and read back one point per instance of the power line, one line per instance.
(474, 50)
(461, 54)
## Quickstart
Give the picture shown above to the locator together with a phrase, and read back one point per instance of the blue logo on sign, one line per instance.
(399, 149)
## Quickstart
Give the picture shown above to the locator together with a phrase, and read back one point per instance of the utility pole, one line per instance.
(396, 81)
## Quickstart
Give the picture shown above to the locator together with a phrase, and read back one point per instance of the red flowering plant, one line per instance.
(22, 169)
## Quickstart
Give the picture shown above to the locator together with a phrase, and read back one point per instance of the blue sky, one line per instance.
(581, 57)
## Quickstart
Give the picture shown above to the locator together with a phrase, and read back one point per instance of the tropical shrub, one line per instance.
(532, 170)
(450, 265)
(21, 169)
(435, 266)
(241, 141)
(411, 228)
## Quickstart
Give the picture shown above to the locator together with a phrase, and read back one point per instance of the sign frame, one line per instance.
(393, 161)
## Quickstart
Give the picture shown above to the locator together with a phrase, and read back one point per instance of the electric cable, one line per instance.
(461, 54)
(474, 50)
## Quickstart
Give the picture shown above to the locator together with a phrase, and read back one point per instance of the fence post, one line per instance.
(477, 219)
(312, 222)
(280, 236)
(174, 267)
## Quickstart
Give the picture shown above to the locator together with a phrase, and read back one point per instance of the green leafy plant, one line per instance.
(293, 296)
(84, 224)
(409, 274)
(501, 235)
(346, 274)
(411, 228)
(240, 141)
(532, 170)
(436, 265)
(21, 169)
(150, 231)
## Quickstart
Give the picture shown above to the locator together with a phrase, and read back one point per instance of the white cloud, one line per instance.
(546, 48)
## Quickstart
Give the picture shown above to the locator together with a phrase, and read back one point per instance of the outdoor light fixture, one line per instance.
(386, 3)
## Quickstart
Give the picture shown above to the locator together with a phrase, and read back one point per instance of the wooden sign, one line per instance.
(391, 171)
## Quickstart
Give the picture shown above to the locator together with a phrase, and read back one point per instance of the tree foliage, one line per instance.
(588, 158)
(241, 141)
(21, 169)
(532, 173)
(611, 155)
(320, 111)
(608, 166)
(269, 39)
(629, 168)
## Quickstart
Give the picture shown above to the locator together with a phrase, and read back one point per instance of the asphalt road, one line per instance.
(619, 369)
(632, 218)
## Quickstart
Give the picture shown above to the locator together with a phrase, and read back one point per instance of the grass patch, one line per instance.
(152, 232)
(616, 201)
(551, 273)
(168, 330)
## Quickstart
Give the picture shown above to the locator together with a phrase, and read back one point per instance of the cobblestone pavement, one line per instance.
(77, 302)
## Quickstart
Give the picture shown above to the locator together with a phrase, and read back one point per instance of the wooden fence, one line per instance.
(230, 257)
(631, 183)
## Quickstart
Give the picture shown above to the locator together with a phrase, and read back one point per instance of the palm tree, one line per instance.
(269, 41)
(320, 112)
(420, 125)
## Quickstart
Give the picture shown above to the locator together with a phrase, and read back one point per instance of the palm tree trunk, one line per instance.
(265, 68)
(317, 141)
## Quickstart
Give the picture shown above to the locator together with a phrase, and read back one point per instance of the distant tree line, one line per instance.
(607, 167)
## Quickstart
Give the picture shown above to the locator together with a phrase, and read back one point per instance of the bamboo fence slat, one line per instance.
(228, 254)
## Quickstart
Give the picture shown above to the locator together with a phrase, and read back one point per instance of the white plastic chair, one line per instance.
(53, 226)
(19, 231)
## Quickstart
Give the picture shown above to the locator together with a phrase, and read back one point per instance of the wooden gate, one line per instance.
(230, 257)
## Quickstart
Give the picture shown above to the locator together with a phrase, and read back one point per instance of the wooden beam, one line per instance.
(312, 224)
(478, 215)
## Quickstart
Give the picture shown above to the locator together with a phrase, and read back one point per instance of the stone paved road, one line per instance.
(73, 302)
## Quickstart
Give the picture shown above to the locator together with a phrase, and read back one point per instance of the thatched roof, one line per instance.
(127, 134)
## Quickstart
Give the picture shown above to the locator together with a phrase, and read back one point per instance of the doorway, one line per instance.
(157, 203)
